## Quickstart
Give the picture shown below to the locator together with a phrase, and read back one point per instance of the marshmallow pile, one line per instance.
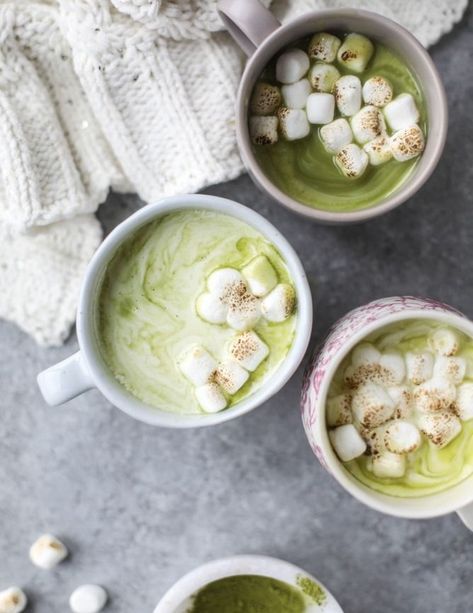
(394, 401)
(372, 127)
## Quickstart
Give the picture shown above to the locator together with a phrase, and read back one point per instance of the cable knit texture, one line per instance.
(136, 95)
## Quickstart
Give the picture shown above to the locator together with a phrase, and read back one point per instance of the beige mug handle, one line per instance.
(248, 22)
(466, 515)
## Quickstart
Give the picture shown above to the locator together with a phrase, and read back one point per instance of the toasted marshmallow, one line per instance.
(355, 52)
(388, 465)
(88, 599)
(368, 124)
(47, 552)
(265, 99)
(377, 91)
(393, 362)
(279, 304)
(450, 368)
(436, 394)
(260, 276)
(445, 342)
(401, 112)
(320, 108)
(352, 161)
(441, 427)
(408, 143)
(264, 130)
(230, 376)
(347, 442)
(244, 311)
(464, 401)
(210, 398)
(12, 600)
(403, 401)
(248, 350)
(420, 366)
(338, 411)
(371, 405)
(401, 436)
(348, 95)
(365, 353)
(197, 365)
(324, 47)
(211, 308)
(292, 65)
(378, 150)
(293, 123)
(323, 77)
(222, 280)
(336, 135)
(295, 94)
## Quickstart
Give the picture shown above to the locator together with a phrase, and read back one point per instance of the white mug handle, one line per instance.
(466, 515)
(65, 380)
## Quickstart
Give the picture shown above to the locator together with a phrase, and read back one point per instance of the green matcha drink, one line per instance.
(196, 311)
(344, 135)
(400, 409)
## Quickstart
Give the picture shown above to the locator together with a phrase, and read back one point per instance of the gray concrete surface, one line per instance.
(139, 506)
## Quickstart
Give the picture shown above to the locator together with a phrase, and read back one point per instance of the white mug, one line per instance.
(86, 369)
(343, 336)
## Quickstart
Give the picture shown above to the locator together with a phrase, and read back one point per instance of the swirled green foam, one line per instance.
(147, 317)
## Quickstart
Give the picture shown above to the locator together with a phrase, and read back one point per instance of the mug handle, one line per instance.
(466, 515)
(65, 380)
(248, 22)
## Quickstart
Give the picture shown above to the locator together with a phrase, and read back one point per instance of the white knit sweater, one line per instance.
(136, 95)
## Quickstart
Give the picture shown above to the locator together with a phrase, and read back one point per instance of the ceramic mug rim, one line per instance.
(96, 366)
(411, 185)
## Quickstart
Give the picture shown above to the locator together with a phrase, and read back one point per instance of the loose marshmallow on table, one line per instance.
(323, 46)
(265, 99)
(295, 94)
(464, 401)
(348, 95)
(347, 442)
(436, 394)
(12, 600)
(264, 130)
(47, 551)
(355, 52)
(320, 108)
(371, 405)
(378, 150)
(260, 275)
(441, 427)
(445, 341)
(407, 143)
(352, 161)
(293, 123)
(210, 398)
(336, 135)
(292, 65)
(323, 77)
(338, 410)
(401, 112)
(88, 599)
(197, 365)
(248, 350)
(279, 304)
(419, 366)
(401, 436)
(388, 465)
(451, 368)
(230, 376)
(377, 91)
(368, 124)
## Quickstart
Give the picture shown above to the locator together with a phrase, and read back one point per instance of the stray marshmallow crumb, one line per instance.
(12, 600)
(47, 552)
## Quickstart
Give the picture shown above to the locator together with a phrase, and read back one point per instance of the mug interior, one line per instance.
(430, 505)
(377, 28)
(87, 313)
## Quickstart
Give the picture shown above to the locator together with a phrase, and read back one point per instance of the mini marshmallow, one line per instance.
(248, 350)
(295, 94)
(378, 150)
(47, 552)
(419, 366)
(401, 112)
(367, 124)
(264, 130)
(450, 368)
(211, 308)
(441, 427)
(338, 410)
(220, 281)
(279, 304)
(320, 108)
(88, 599)
(260, 276)
(230, 376)
(197, 365)
(12, 600)
(347, 442)
(388, 465)
(293, 123)
(348, 95)
(403, 401)
(372, 405)
(210, 398)
(365, 353)
(323, 77)
(323, 46)
(436, 394)
(352, 161)
(244, 311)
(445, 342)
(265, 99)
(401, 436)
(292, 65)
(336, 135)
(377, 91)
(355, 52)
(394, 363)
(407, 143)
(464, 401)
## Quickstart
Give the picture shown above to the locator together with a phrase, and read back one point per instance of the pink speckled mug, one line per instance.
(343, 336)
